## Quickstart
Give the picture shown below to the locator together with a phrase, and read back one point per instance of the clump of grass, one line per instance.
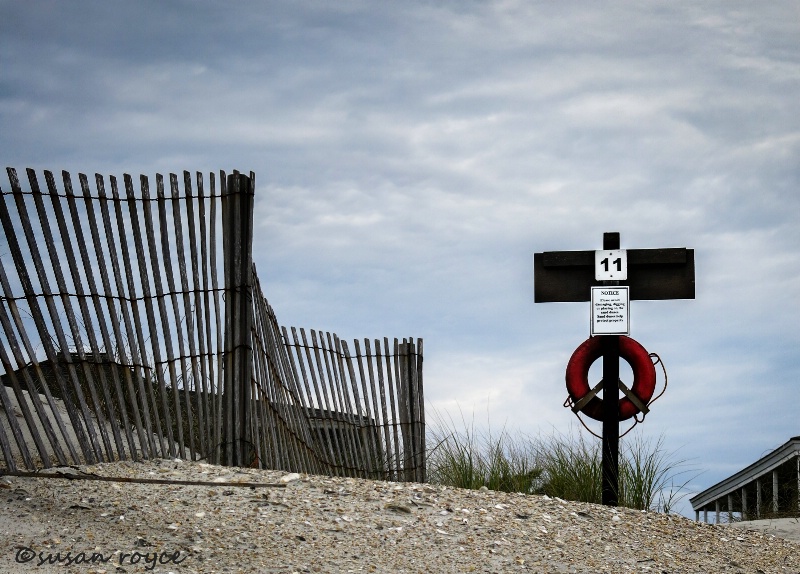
(572, 468)
(561, 465)
(468, 459)
(647, 472)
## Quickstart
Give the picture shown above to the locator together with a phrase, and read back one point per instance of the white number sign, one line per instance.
(611, 265)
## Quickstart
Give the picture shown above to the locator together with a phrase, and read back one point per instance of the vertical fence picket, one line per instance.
(384, 419)
(95, 345)
(161, 295)
(422, 449)
(192, 310)
(79, 402)
(361, 431)
(16, 431)
(39, 320)
(93, 375)
(374, 464)
(323, 434)
(167, 440)
(218, 396)
(204, 330)
(174, 429)
(23, 403)
(128, 339)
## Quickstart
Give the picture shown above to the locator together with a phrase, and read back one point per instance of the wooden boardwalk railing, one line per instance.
(133, 326)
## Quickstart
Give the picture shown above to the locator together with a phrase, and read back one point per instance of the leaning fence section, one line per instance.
(322, 408)
(132, 325)
(110, 318)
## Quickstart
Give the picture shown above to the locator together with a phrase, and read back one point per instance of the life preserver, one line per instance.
(644, 376)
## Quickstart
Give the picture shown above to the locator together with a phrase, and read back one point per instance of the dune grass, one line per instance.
(566, 466)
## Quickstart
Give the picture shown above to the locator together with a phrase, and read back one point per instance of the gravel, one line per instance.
(305, 523)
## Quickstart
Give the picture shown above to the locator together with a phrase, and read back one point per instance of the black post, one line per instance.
(237, 224)
(610, 344)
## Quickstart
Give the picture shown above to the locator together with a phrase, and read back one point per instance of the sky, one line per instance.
(411, 157)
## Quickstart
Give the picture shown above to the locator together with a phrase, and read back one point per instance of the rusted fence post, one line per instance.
(237, 232)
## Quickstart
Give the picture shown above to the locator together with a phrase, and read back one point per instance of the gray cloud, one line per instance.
(411, 157)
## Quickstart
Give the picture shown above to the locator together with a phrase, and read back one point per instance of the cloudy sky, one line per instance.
(411, 157)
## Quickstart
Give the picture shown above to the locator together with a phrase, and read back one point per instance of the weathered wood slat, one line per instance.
(162, 323)
(172, 357)
(218, 426)
(128, 339)
(94, 376)
(78, 408)
(423, 448)
(325, 447)
(193, 310)
(38, 318)
(139, 243)
(136, 338)
(204, 331)
(288, 374)
(32, 391)
(374, 459)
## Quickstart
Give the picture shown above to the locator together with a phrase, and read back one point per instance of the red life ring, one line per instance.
(644, 376)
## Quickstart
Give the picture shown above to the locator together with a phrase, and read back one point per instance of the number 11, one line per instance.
(617, 262)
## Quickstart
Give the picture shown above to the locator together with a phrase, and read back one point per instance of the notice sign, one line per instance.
(610, 311)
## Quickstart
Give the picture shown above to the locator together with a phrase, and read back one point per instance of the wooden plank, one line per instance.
(149, 298)
(158, 270)
(87, 448)
(180, 358)
(330, 405)
(382, 392)
(653, 274)
(403, 407)
(330, 381)
(105, 342)
(391, 366)
(22, 401)
(301, 401)
(328, 457)
(192, 308)
(316, 446)
(94, 450)
(417, 409)
(288, 401)
(133, 325)
(308, 439)
(173, 357)
(273, 431)
(96, 378)
(375, 462)
(129, 340)
(227, 367)
(204, 332)
(421, 411)
(352, 412)
(21, 361)
(5, 445)
(220, 339)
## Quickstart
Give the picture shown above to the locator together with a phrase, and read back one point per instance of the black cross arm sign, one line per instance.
(654, 274)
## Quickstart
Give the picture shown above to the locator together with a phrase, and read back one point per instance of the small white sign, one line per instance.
(611, 265)
(610, 311)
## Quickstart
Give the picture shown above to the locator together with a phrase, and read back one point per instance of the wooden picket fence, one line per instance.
(134, 326)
